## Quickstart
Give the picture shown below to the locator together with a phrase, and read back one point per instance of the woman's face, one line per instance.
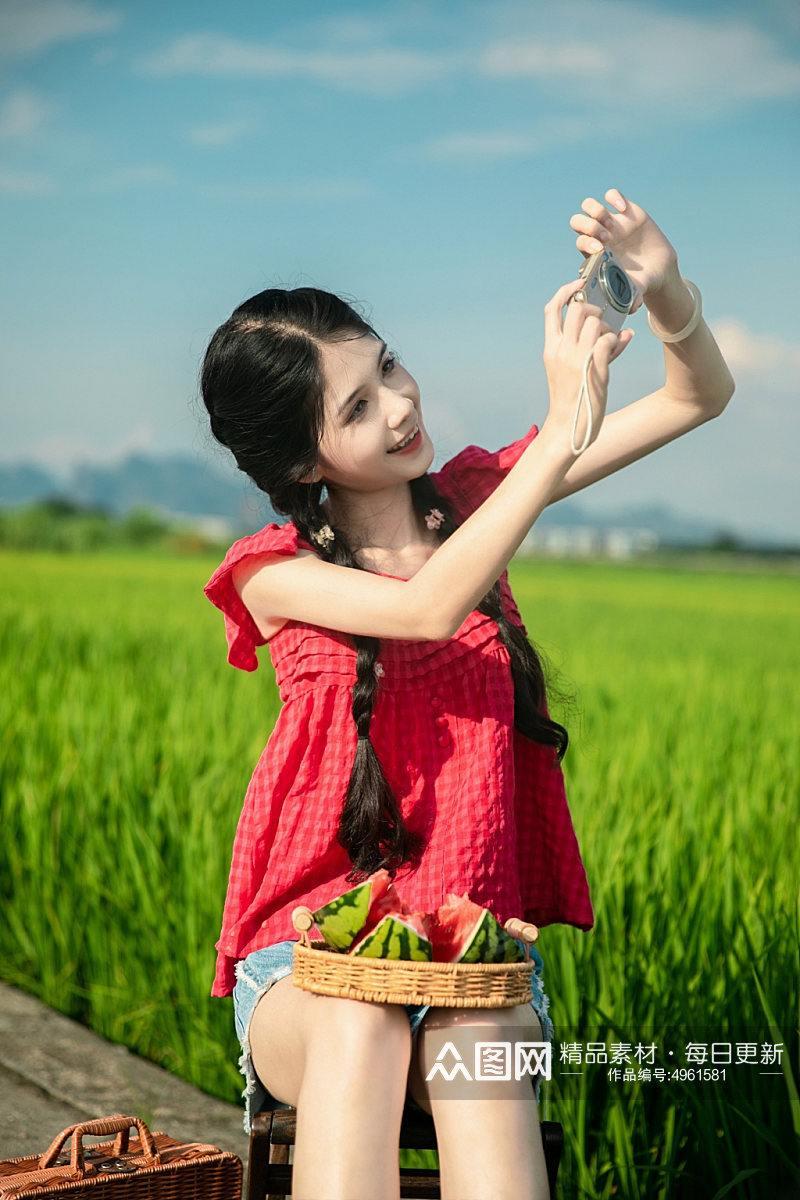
(373, 434)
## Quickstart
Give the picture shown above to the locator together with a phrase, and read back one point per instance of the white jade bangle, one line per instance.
(690, 326)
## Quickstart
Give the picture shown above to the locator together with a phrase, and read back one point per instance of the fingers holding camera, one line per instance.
(624, 338)
(595, 223)
(572, 341)
(574, 321)
(637, 242)
(595, 208)
(615, 198)
(554, 309)
(601, 226)
(593, 234)
(584, 322)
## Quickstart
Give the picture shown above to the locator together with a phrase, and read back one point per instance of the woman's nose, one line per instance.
(399, 408)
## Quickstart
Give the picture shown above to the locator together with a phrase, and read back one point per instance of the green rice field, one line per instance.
(127, 745)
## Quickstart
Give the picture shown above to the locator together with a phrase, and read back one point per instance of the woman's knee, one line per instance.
(480, 1048)
(297, 1037)
(366, 1036)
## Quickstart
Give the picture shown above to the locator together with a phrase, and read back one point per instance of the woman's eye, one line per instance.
(389, 364)
(357, 409)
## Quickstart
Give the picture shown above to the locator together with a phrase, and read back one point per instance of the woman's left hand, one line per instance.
(634, 238)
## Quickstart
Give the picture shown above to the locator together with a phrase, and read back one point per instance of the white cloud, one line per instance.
(749, 353)
(22, 113)
(374, 70)
(25, 183)
(676, 62)
(300, 190)
(543, 59)
(677, 65)
(216, 54)
(218, 133)
(473, 148)
(28, 26)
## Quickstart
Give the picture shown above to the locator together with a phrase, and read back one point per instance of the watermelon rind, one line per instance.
(465, 932)
(490, 943)
(394, 938)
(341, 920)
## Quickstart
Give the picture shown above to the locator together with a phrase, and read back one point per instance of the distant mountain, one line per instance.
(21, 483)
(184, 487)
(176, 486)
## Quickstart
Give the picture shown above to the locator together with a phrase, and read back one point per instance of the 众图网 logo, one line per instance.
(501, 1061)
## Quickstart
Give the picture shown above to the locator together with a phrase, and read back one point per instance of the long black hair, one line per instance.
(263, 385)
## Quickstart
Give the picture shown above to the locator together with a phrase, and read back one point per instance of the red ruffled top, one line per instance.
(490, 803)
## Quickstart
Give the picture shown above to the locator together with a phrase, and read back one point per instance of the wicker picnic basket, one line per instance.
(318, 968)
(148, 1167)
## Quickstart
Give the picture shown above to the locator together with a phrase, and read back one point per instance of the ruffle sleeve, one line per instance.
(240, 629)
(471, 477)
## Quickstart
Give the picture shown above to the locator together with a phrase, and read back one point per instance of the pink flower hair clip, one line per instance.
(434, 519)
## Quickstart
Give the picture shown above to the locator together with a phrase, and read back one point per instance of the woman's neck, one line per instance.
(385, 530)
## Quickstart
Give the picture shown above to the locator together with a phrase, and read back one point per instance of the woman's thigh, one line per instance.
(298, 1038)
(287, 1033)
(525, 1022)
(486, 1149)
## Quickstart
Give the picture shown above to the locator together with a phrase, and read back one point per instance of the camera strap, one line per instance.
(583, 398)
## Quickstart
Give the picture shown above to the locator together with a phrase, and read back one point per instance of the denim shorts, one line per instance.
(256, 974)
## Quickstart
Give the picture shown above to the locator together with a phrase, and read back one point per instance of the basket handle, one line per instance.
(116, 1124)
(303, 920)
(524, 932)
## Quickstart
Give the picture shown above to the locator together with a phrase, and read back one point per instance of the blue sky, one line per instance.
(160, 163)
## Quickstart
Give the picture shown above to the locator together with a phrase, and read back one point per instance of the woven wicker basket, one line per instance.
(144, 1168)
(318, 968)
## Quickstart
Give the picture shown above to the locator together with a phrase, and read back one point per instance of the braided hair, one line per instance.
(262, 383)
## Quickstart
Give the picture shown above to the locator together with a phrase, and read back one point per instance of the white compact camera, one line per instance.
(606, 285)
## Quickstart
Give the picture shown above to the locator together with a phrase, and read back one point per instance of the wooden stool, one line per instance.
(269, 1173)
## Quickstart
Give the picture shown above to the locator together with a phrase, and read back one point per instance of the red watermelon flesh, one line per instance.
(451, 927)
(385, 904)
(462, 931)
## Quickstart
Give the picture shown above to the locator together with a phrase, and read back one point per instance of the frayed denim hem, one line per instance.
(254, 977)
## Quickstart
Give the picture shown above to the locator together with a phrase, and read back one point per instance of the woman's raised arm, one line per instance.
(437, 599)
(697, 383)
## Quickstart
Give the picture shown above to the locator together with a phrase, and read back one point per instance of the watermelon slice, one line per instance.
(465, 932)
(343, 919)
(372, 920)
(397, 935)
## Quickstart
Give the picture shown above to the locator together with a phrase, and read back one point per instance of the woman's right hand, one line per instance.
(568, 341)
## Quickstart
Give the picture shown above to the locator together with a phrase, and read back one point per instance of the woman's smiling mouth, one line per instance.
(406, 443)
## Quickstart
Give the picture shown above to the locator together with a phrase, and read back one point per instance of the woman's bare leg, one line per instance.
(489, 1148)
(344, 1065)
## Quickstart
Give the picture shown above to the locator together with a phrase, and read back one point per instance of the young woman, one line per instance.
(414, 733)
